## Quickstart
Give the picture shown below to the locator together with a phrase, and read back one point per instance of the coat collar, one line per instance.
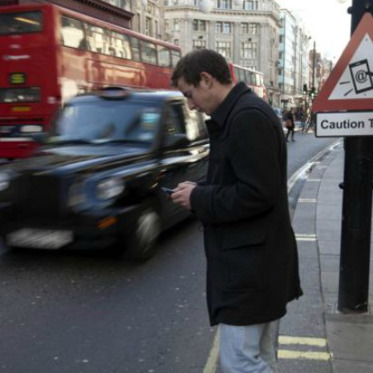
(220, 115)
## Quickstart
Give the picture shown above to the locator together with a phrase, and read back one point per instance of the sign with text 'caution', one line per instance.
(344, 106)
(344, 124)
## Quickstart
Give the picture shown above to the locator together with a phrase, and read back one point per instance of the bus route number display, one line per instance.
(17, 78)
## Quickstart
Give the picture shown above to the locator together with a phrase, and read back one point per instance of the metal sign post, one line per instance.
(353, 292)
(344, 107)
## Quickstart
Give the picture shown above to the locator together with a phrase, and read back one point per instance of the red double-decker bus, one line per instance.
(253, 78)
(49, 54)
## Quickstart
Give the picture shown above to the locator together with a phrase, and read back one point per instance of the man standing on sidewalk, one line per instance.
(252, 261)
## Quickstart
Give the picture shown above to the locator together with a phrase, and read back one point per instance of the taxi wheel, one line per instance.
(142, 242)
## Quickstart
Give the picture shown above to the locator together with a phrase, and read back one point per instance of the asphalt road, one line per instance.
(85, 312)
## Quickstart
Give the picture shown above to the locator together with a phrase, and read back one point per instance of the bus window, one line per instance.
(126, 46)
(21, 22)
(135, 46)
(176, 55)
(240, 74)
(256, 79)
(98, 40)
(148, 52)
(252, 78)
(164, 56)
(72, 33)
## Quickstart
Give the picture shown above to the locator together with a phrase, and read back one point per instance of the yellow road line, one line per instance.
(308, 355)
(285, 340)
(212, 361)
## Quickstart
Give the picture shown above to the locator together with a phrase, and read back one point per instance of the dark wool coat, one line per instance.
(252, 261)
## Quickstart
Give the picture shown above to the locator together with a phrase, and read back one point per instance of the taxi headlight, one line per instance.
(109, 188)
(76, 195)
(4, 181)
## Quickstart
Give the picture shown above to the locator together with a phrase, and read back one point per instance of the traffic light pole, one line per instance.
(353, 292)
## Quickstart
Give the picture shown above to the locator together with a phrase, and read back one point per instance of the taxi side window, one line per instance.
(174, 119)
(195, 126)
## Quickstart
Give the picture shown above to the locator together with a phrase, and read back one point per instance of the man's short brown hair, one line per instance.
(194, 63)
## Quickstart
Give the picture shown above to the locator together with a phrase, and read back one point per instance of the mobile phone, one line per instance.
(168, 191)
(361, 76)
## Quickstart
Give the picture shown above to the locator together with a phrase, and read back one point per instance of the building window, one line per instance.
(223, 27)
(250, 5)
(249, 28)
(253, 28)
(148, 26)
(244, 28)
(199, 25)
(167, 25)
(224, 48)
(176, 25)
(248, 49)
(199, 44)
(224, 4)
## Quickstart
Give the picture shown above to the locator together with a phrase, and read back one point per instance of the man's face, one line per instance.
(200, 98)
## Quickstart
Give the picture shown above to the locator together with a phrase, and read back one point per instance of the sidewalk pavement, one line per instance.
(314, 337)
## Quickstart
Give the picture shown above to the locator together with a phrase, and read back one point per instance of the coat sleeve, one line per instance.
(254, 151)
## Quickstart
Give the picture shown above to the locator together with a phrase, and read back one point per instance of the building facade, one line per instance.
(245, 32)
(293, 64)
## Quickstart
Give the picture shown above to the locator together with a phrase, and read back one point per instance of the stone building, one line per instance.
(245, 32)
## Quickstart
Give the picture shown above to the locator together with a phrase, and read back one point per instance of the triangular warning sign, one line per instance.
(350, 84)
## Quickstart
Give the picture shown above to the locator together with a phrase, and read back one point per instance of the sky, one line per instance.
(327, 22)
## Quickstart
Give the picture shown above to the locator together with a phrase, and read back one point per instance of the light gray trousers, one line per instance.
(248, 349)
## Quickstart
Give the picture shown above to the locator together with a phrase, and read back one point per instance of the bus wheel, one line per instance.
(141, 241)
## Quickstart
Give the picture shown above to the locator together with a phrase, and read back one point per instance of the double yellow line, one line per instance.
(306, 342)
(309, 350)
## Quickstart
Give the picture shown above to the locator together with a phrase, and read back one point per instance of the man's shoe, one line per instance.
(293, 140)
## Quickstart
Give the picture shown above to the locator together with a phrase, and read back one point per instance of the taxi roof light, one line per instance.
(114, 93)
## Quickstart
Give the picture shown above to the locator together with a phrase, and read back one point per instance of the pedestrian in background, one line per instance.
(251, 252)
(289, 124)
(302, 119)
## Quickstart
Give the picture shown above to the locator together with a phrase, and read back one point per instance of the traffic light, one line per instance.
(312, 92)
(305, 88)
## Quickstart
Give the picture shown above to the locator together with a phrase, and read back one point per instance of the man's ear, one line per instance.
(207, 79)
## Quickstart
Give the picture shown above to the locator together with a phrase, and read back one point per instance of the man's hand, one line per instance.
(182, 193)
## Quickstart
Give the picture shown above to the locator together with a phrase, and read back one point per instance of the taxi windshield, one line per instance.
(20, 22)
(108, 121)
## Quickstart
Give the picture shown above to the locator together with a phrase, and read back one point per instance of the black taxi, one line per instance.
(97, 181)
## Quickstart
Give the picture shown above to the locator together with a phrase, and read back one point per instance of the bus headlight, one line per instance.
(31, 128)
(109, 188)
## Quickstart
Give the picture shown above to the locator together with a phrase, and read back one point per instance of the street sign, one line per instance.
(344, 124)
(350, 84)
